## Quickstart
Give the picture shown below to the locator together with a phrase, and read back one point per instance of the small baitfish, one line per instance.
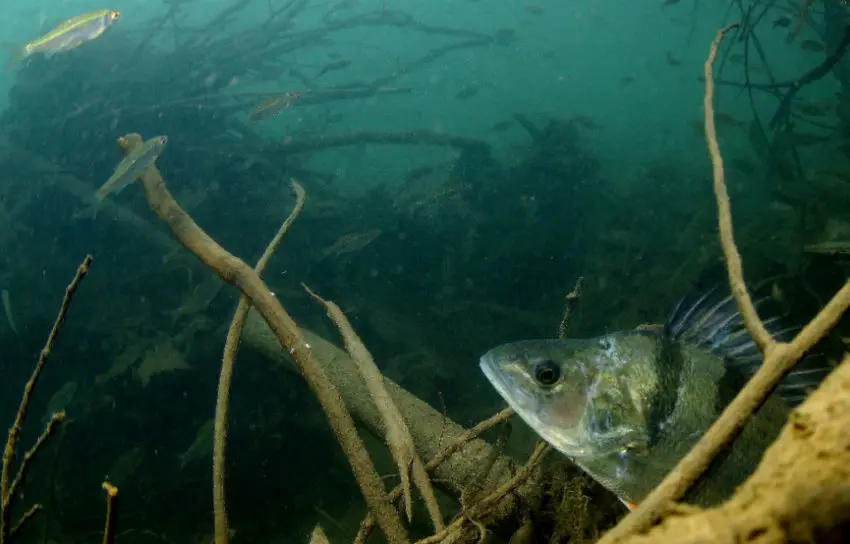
(272, 106)
(627, 406)
(129, 169)
(68, 35)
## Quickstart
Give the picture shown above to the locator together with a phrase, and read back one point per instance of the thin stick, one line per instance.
(6, 499)
(569, 305)
(28, 516)
(234, 271)
(396, 433)
(55, 419)
(464, 438)
(231, 348)
(779, 357)
(490, 500)
(733, 258)
(111, 512)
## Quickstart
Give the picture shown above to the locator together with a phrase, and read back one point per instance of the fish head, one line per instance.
(112, 16)
(576, 394)
(159, 142)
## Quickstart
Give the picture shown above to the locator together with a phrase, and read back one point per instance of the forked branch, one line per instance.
(779, 357)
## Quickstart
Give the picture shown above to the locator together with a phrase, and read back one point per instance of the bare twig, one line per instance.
(569, 304)
(111, 512)
(234, 271)
(55, 419)
(453, 447)
(730, 251)
(472, 513)
(396, 432)
(779, 357)
(28, 516)
(231, 348)
(6, 498)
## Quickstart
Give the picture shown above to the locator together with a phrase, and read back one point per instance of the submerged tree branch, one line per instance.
(779, 357)
(9, 486)
(234, 271)
(396, 433)
(231, 347)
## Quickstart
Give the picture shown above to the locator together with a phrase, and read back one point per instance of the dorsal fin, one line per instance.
(709, 317)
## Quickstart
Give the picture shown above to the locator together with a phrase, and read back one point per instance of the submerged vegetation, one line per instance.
(466, 243)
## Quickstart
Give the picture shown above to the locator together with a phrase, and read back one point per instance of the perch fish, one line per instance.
(68, 35)
(627, 406)
(129, 169)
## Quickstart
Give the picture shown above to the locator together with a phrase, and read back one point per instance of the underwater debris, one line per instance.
(396, 433)
(111, 512)
(11, 481)
(231, 347)
(239, 274)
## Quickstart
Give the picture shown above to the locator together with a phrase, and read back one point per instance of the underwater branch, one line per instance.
(400, 443)
(10, 487)
(779, 357)
(231, 348)
(236, 272)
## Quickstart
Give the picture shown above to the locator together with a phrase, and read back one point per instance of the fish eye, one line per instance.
(633, 448)
(547, 373)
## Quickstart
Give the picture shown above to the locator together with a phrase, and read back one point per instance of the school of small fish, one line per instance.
(89, 26)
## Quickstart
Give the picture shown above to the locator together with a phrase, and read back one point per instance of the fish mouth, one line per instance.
(527, 406)
(521, 402)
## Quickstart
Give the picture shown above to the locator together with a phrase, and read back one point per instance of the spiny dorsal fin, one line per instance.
(709, 317)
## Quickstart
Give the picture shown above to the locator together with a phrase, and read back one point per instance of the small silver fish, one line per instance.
(627, 406)
(272, 106)
(68, 35)
(129, 169)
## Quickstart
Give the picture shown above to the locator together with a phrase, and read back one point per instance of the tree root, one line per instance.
(240, 275)
(455, 453)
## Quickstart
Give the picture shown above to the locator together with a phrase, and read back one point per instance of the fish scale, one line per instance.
(68, 35)
(627, 406)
